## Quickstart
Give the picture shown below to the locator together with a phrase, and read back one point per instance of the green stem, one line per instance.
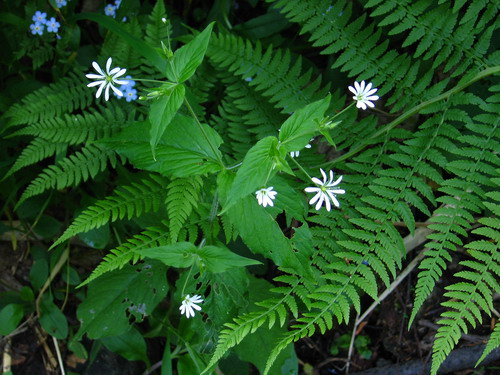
(484, 73)
(144, 80)
(302, 169)
(345, 109)
(214, 149)
(185, 282)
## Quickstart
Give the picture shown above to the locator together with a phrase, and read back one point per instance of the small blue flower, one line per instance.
(61, 3)
(110, 10)
(118, 3)
(130, 94)
(39, 17)
(52, 25)
(36, 28)
(365, 262)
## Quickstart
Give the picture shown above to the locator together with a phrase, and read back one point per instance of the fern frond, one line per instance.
(156, 30)
(36, 151)
(493, 343)
(70, 171)
(75, 129)
(66, 95)
(462, 197)
(475, 293)
(127, 201)
(123, 53)
(182, 196)
(128, 251)
(272, 71)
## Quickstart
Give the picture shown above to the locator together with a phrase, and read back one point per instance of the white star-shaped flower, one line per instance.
(363, 94)
(266, 196)
(190, 303)
(107, 80)
(325, 193)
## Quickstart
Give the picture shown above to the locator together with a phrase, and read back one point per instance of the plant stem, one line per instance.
(302, 169)
(484, 73)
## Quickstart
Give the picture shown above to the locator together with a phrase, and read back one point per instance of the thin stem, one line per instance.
(187, 278)
(345, 109)
(146, 80)
(214, 149)
(302, 169)
(484, 73)
(234, 166)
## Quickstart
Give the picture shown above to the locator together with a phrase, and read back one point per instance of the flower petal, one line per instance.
(98, 68)
(92, 84)
(334, 199)
(317, 181)
(117, 92)
(94, 76)
(99, 91)
(120, 73)
(315, 198)
(320, 202)
(312, 189)
(106, 93)
(108, 65)
(353, 90)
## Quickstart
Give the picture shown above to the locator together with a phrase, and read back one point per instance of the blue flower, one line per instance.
(39, 17)
(110, 10)
(52, 25)
(130, 94)
(36, 28)
(61, 3)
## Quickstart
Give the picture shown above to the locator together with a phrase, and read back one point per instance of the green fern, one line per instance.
(127, 201)
(70, 171)
(480, 281)
(66, 95)
(493, 343)
(462, 198)
(273, 73)
(36, 151)
(75, 129)
(128, 251)
(183, 194)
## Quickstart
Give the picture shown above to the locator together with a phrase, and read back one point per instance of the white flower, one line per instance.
(294, 154)
(107, 80)
(363, 95)
(190, 303)
(325, 193)
(265, 196)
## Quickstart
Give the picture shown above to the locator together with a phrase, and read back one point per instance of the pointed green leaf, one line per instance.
(163, 110)
(187, 58)
(297, 130)
(255, 170)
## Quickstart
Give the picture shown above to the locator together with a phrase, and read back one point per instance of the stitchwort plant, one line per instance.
(180, 223)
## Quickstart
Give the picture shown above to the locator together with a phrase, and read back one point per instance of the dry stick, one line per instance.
(6, 358)
(410, 242)
(59, 357)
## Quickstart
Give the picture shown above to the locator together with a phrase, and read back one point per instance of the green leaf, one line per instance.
(130, 345)
(52, 320)
(255, 170)
(184, 254)
(10, 316)
(187, 58)
(148, 52)
(116, 296)
(163, 110)
(297, 130)
(177, 155)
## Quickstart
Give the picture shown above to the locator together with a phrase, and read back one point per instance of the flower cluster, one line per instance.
(40, 22)
(129, 93)
(110, 9)
(190, 303)
(107, 79)
(61, 3)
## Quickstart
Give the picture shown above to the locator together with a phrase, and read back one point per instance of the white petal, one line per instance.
(337, 181)
(337, 191)
(368, 87)
(196, 307)
(370, 104)
(320, 202)
(98, 68)
(334, 199)
(92, 84)
(99, 91)
(189, 311)
(362, 86)
(373, 97)
(353, 90)
(121, 82)
(106, 93)
(94, 76)
(327, 203)
(316, 197)
(114, 70)
(120, 73)
(371, 92)
(196, 299)
(324, 176)
(312, 189)
(117, 92)
(317, 181)
(108, 65)
(358, 88)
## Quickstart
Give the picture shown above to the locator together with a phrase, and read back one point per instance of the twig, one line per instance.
(58, 353)
(6, 358)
